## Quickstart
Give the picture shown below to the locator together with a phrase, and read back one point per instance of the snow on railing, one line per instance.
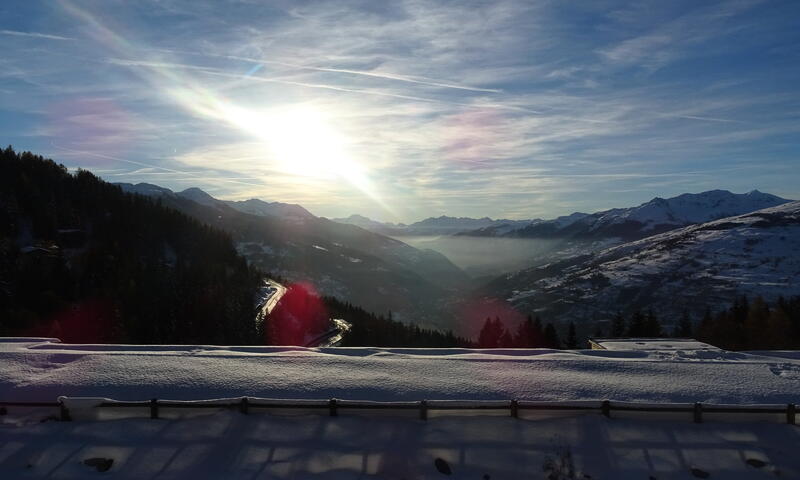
(246, 405)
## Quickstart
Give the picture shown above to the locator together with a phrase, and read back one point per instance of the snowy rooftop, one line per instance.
(42, 370)
(198, 444)
(633, 344)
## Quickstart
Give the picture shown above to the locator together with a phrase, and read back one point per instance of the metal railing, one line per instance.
(246, 405)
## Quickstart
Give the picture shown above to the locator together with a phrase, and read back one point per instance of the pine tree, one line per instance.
(684, 328)
(522, 338)
(488, 337)
(618, 327)
(506, 340)
(551, 339)
(572, 338)
(637, 326)
(652, 328)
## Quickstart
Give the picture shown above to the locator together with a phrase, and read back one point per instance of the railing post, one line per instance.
(423, 410)
(514, 409)
(790, 413)
(606, 408)
(244, 407)
(65, 417)
(698, 412)
(154, 408)
(332, 407)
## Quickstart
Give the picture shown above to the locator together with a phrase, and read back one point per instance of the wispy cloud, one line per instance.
(506, 108)
(367, 73)
(46, 36)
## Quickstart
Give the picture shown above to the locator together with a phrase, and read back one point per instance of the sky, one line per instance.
(401, 110)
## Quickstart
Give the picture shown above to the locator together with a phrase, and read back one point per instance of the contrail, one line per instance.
(388, 76)
(34, 35)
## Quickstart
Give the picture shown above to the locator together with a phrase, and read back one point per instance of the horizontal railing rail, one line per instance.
(247, 404)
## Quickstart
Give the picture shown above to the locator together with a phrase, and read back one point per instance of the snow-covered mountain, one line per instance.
(656, 216)
(526, 228)
(369, 224)
(442, 225)
(699, 266)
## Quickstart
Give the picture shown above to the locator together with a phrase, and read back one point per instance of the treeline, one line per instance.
(529, 334)
(753, 325)
(641, 324)
(82, 261)
(373, 330)
(745, 325)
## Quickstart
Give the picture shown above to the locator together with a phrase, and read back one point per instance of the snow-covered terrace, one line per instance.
(299, 444)
(43, 369)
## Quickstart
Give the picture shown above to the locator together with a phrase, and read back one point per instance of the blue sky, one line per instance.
(408, 109)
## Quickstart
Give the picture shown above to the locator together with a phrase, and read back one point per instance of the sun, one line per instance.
(301, 140)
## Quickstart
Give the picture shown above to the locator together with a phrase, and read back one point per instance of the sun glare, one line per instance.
(302, 141)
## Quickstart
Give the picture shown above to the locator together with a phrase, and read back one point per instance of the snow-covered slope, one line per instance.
(39, 370)
(656, 216)
(684, 210)
(693, 267)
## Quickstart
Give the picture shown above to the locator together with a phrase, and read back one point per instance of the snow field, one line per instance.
(40, 370)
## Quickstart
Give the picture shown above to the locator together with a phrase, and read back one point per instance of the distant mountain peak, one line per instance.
(197, 195)
(146, 189)
(255, 206)
(654, 216)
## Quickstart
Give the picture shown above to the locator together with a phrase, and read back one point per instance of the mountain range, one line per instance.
(252, 206)
(376, 272)
(694, 268)
(442, 225)
(580, 267)
(656, 216)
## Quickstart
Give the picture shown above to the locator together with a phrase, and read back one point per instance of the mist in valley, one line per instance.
(483, 256)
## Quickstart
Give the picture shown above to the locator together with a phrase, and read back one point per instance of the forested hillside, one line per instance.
(83, 261)
(354, 265)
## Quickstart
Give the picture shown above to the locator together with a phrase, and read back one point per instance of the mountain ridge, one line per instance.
(654, 216)
(376, 272)
(692, 268)
(441, 225)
